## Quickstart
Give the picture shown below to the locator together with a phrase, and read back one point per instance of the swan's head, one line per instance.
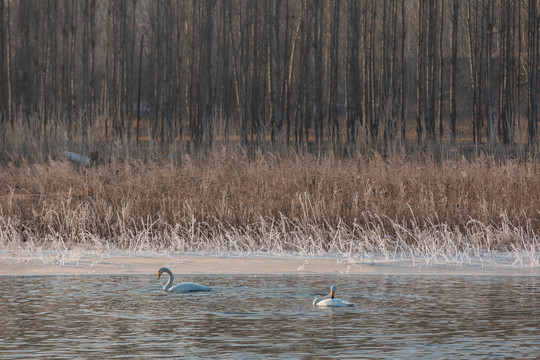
(333, 290)
(161, 271)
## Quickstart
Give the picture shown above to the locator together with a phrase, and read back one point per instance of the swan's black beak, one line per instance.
(158, 275)
(332, 293)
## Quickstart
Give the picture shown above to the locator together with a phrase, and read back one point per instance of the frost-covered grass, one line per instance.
(364, 208)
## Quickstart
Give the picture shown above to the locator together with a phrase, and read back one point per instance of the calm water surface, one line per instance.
(270, 316)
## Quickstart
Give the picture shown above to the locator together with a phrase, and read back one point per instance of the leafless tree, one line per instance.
(288, 72)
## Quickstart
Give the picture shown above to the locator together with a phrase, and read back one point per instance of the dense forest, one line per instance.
(340, 74)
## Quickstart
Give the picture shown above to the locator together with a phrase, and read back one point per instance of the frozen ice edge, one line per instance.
(85, 261)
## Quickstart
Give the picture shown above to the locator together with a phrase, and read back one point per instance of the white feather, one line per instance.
(180, 288)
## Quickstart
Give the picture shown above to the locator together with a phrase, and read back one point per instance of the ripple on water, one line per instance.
(248, 316)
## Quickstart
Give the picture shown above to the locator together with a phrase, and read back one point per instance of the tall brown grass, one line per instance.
(228, 201)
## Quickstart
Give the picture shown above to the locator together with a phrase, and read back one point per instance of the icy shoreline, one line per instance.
(87, 263)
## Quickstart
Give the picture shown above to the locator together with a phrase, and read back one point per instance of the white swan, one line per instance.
(182, 288)
(330, 301)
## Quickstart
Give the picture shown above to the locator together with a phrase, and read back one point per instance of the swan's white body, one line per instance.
(180, 288)
(330, 301)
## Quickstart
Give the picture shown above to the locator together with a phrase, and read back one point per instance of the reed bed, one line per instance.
(228, 202)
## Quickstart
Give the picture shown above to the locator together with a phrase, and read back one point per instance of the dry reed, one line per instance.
(226, 202)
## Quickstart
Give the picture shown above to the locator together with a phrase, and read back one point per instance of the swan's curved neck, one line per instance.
(169, 283)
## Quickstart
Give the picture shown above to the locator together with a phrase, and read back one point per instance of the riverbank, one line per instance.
(18, 264)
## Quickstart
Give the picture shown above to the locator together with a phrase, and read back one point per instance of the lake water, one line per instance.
(270, 316)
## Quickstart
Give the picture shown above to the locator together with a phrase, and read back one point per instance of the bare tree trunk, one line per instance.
(3, 98)
(239, 73)
(56, 106)
(317, 70)
(115, 77)
(239, 91)
(430, 71)
(65, 66)
(85, 81)
(3, 25)
(533, 73)
(303, 110)
(8, 65)
(278, 122)
(256, 84)
(334, 77)
(139, 91)
(208, 126)
(166, 72)
(72, 51)
(122, 62)
(44, 81)
(289, 76)
(154, 66)
(402, 75)
(193, 87)
(353, 72)
(92, 72)
(104, 83)
(383, 88)
(393, 79)
(420, 73)
(507, 62)
(267, 107)
(441, 78)
(518, 64)
(453, 70)
(474, 37)
(371, 85)
(178, 105)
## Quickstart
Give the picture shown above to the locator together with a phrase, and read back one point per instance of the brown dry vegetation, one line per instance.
(227, 202)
